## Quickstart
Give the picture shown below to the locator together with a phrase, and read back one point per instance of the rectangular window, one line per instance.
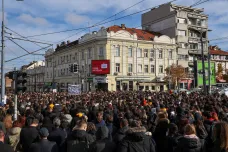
(139, 53)
(181, 20)
(153, 87)
(101, 51)
(152, 53)
(89, 53)
(160, 68)
(83, 55)
(152, 68)
(117, 67)
(160, 54)
(145, 53)
(129, 67)
(117, 51)
(181, 33)
(129, 52)
(145, 68)
(140, 68)
(170, 54)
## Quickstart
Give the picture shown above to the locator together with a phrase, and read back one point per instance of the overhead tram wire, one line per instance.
(63, 31)
(118, 33)
(28, 54)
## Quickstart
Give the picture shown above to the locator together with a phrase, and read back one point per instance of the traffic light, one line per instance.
(20, 82)
(71, 68)
(75, 68)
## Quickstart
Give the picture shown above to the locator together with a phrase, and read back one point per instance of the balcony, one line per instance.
(191, 63)
(196, 52)
(181, 26)
(183, 39)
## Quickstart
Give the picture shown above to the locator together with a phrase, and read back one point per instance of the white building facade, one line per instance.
(138, 60)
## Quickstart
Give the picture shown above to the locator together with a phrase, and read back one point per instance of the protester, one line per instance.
(4, 147)
(134, 120)
(220, 137)
(43, 145)
(58, 135)
(190, 142)
(29, 134)
(103, 143)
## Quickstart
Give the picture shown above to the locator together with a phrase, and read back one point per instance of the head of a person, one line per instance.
(124, 123)
(43, 132)
(81, 125)
(207, 115)
(31, 121)
(220, 132)
(56, 122)
(2, 136)
(173, 129)
(8, 122)
(99, 116)
(91, 126)
(189, 129)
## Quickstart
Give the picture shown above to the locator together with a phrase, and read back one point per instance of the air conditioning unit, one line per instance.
(151, 59)
(115, 73)
(129, 73)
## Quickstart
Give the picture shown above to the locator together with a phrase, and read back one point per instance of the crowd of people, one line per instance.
(130, 121)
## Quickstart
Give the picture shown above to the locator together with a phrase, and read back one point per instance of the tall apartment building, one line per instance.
(138, 60)
(185, 24)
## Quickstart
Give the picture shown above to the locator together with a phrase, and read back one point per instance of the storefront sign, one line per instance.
(100, 67)
(100, 80)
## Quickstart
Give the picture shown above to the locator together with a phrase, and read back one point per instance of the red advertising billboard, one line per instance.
(100, 67)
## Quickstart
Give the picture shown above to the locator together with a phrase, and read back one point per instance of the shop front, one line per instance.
(101, 83)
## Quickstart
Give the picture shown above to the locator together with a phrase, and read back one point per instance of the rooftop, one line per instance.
(141, 34)
(215, 50)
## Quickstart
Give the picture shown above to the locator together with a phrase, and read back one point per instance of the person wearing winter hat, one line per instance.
(44, 145)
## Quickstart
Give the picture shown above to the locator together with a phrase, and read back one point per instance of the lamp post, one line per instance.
(3, 55)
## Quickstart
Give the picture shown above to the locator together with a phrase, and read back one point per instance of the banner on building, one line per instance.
(198, 71)
(74, 89)
(100, 67)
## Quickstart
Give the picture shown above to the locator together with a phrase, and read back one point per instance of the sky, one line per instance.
(34, 17)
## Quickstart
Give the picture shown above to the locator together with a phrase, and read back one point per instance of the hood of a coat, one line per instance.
(79, 134)
(136, 134)
(15, 131)
(191, 142)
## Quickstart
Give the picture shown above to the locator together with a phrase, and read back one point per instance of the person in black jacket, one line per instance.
(4, 147)
(79, 138)
(136, 140)
(58, 135)
(190, 142)
(173, 137)
(102, 144)
(43, 145)
(121, 133)
(29, 134)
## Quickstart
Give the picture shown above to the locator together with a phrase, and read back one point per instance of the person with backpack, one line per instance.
(79, 139)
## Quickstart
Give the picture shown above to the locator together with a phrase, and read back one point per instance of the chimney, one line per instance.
(123, 26)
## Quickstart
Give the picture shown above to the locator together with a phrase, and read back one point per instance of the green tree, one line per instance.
(220, 69)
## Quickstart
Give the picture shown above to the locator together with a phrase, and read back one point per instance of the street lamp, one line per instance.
(3, 55)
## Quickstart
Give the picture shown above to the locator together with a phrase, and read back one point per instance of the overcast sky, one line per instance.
(32, 17)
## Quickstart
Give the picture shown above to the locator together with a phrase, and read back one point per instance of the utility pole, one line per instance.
(3, 57)
(209, 72)
(15, 94)
(203, 64)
